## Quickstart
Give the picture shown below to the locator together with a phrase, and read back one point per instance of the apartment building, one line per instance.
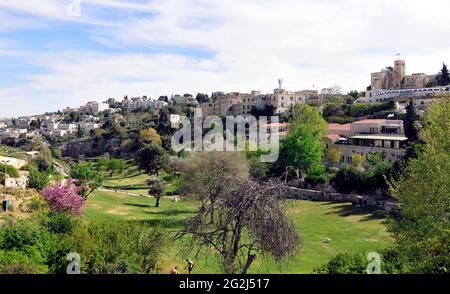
(366, 137)
(94, 107)
(242, 103)
(137, 103)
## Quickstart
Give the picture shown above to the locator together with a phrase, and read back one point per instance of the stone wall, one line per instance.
(357, 200)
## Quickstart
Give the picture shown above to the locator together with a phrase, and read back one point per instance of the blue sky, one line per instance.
(50, 59)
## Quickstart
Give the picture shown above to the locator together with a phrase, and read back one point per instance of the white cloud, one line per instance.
(249, 44)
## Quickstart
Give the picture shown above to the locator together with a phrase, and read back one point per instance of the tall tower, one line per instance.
(399, 73)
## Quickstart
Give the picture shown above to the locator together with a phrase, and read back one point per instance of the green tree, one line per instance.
(157, 188)
(152, 158)
(334, 155)
(44, 163)
(86, 177)
(422, 230)
(304, 147)
(358, 110)
(354, 94)
(444, 76)
(37, 180)
(409, 123)
(149, 135)
(357, 160)
(115, 165)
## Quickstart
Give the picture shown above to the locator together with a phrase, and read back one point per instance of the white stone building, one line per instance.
(366, 137)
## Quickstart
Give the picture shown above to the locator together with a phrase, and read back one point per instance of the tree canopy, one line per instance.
(304, 147)
(422, 231)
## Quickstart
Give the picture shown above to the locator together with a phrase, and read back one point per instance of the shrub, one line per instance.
(358, 110)
(10, 170)
(60, 223)
(346, 180)
(38, 180)
(345, 264)
(17, 262)
(340, 120)
(64, 198)
(112, 248)
(392, 262)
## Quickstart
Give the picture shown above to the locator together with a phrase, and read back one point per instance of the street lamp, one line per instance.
(5, 201)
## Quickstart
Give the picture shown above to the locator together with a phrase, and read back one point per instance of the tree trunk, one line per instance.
(157, 201)
(249, 261)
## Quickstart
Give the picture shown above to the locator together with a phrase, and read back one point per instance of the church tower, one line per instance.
(399, 73)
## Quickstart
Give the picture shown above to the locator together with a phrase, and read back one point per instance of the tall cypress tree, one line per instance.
(410, 128)
(444, 76)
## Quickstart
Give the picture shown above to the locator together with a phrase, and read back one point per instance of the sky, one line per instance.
(58, 53)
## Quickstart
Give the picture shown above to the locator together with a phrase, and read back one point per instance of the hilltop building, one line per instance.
(94, 107)
(396, 79)
(243, 103)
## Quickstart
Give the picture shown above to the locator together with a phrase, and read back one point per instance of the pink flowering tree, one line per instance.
(64, 197)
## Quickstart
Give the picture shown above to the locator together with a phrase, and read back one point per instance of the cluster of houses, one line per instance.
(45, 125)
(31, 127)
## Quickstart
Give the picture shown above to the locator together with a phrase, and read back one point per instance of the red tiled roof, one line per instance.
(370, 121)
(334, 137)
(338, 127)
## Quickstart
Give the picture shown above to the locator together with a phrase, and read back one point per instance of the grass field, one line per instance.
(136, 182)
(350, 230)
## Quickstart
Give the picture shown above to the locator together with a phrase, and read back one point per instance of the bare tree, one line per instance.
(208, 175)
(251, 220)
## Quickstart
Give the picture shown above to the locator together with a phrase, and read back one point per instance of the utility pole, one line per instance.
(5, 201)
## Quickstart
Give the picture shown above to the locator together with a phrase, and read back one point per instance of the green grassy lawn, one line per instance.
(350, 230)
(136, 182)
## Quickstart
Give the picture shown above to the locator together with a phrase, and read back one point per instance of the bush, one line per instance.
(346, 180)
(340, 120)
(29, 237)
(44, 164)
(358, 110)
(258, 169)
(10, 170)
(112, 248)
(356, 263)
(38, 180)
(377, 107)
(345, 264)
(17, 262)
(60, 223)
(376, 170)
(41, 245)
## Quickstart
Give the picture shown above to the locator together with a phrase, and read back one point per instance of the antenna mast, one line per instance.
(280, 82)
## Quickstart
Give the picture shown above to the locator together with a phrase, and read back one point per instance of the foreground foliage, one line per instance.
(41, 245)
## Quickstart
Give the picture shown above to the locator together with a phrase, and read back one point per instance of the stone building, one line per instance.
(242, 103)
(366, 137)
(396, 79)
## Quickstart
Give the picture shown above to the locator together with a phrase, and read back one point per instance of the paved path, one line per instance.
(134, 194)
